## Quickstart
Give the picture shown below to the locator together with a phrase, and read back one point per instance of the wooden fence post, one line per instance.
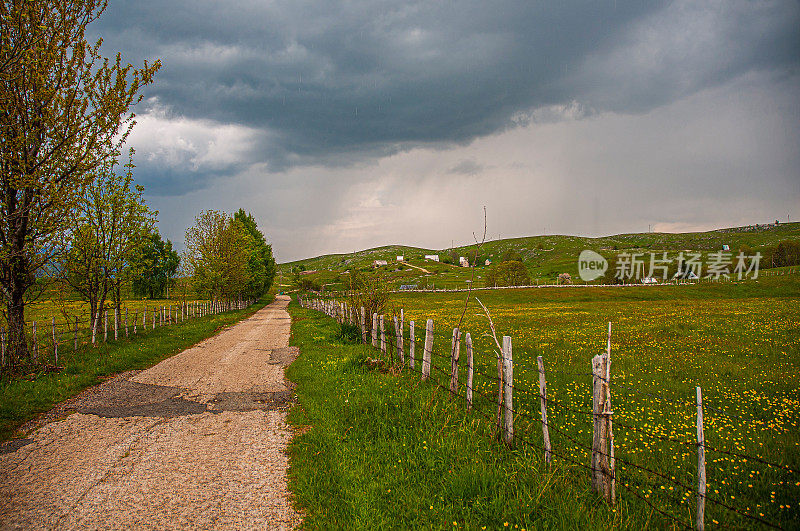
(411, 344)
(363, 326)
(154, 318)
(701, 464)
(126, 321)
(398, 335)
(116, 323)
(612, 462)
(543, 407)
(135, 319)
(383, 335)
(455, 351)
(426, 352)
(401, 341)
(468, 343)
(508, 380)
(55, 343)
(601, 472)
(375, 330)
(94, 323)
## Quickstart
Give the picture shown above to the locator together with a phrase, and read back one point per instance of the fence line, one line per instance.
(56, 336)
(604, 462)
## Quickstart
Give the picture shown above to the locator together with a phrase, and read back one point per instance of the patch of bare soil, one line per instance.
(196, 441)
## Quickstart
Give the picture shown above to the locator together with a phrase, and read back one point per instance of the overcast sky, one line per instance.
(343, 126)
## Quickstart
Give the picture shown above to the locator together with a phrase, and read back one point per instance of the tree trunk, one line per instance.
(17, 342)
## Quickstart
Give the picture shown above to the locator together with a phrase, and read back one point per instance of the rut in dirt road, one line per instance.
(196, 441)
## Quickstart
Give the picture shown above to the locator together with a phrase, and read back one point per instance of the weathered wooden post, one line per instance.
(601, 470)
(116, 324)
(126, 321)
(363, 325)
(701, 464)
(543, 408)
(398, 334)
(383, 335)
(401, 341)
(470, 368)
(612, 462)
(426, 352)
(411, 344)
(455, 351)
(375, 330)
(508, 380)
(154, 318)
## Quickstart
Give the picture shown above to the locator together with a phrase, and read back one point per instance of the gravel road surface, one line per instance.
(197, 441)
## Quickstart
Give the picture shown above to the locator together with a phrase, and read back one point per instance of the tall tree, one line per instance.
(63, 110)
(261, 265)
(154, 266)
(218, 250)
(108, 226)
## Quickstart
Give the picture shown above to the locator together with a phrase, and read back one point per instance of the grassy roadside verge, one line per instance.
(23, 399)
(385, 451)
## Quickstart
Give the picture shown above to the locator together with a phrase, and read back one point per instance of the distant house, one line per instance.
(726, 247)
(400, 257)
(649, 280)
(379, 263)
(408, 286)
(463, 262)
(434, 257)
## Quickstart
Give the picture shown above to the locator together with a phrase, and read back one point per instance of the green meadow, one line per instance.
(382, 449)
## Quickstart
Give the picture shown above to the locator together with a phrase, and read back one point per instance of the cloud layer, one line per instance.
(338, 83)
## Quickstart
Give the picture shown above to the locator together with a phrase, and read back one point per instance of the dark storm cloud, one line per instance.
(332, 83)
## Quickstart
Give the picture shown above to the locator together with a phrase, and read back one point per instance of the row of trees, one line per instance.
(65, 112)
(69, 212)
(228, 257)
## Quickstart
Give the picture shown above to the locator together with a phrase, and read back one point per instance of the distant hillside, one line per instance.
(544, 256)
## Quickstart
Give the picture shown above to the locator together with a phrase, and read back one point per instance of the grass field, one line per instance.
(739, 342)
(22, 398)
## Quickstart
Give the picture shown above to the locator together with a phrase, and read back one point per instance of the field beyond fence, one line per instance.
(745, 429)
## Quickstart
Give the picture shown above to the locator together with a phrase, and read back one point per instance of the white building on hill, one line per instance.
(434, 257)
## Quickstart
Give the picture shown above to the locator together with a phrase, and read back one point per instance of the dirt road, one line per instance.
(197, 441)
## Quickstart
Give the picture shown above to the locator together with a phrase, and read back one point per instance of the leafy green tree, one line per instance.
(261, 265)
(787, 253)
(108, 226)
(153, 267)
(511, 273)
(218, 251)
(64, 109)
